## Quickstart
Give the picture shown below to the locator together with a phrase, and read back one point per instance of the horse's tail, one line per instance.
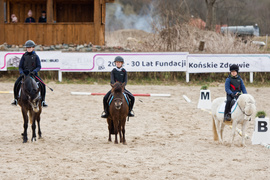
(214, 130)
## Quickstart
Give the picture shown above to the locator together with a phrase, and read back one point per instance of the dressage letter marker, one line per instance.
(261, 132)
(149, 95)
(205, 99)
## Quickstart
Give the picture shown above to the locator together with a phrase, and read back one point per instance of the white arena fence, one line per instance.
(142, 62)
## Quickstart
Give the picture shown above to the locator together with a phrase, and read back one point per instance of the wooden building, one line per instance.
(68, 21)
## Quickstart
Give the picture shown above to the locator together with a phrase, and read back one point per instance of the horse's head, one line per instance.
(118, 87)
(31, 91)
(117, 92)
(247, 105)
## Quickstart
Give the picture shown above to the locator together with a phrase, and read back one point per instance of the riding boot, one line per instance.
(16, 93)
(105, 113)
(43, 92)
(130, 113)
(227, 114)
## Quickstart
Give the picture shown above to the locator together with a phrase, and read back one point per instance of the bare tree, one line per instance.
(209, 16)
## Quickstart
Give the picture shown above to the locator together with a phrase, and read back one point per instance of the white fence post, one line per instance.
(251, 77)
(187, 76)
(59, 75)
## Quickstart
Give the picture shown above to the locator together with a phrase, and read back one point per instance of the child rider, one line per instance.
(29, 62)
(118, 74)
(234, 85)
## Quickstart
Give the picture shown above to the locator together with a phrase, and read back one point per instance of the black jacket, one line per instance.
(42, 20)
(119, 75)
(30, 62)
(30, 20)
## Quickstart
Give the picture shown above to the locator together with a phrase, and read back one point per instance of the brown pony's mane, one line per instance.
(31, 87)
(117, 87)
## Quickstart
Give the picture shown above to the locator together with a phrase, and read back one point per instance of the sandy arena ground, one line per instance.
(168, 139)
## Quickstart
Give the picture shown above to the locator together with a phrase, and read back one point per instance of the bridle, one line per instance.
(243, 111)
(241, 108)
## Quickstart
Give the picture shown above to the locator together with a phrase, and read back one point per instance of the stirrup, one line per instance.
(104, 115)
(43, 104)
(15, 102)
(131, 113)
(227, 117)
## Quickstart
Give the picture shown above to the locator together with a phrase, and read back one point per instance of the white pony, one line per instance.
(245, 108)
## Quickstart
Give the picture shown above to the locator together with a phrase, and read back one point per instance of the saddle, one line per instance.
(111, 98)
(232, 106)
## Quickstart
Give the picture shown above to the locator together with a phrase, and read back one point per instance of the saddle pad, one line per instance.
(111, 98)
(221, 108)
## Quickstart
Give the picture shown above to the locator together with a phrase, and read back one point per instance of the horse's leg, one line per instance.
(123, 132)
(110, 125)
(217, 123)
(120, 132)
(25, 124)
(244, 128)
(214, 129)
(222, 130)
(33, 116)
(115, 131)
(38, 122)
(234, 124)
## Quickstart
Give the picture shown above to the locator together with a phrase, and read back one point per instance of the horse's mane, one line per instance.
(30, 86)
(117, 87)
(245, 98)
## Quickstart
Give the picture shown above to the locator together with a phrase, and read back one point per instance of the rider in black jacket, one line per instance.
(118, 74)
(29, 62)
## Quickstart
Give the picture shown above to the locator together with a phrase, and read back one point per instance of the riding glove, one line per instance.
(32, 73)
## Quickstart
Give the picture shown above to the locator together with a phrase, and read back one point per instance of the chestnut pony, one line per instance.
(118, 108)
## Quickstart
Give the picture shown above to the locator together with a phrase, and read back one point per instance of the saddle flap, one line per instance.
(221, 108)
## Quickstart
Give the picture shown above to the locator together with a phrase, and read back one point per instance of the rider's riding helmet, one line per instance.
(119, 59)
(234, 67)
(30, 43)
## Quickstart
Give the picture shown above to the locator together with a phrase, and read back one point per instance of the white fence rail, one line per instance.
(142, 62)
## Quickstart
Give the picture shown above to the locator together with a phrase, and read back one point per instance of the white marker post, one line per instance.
(261, 132)
(205, 99)
(186, 98)
(6, 92)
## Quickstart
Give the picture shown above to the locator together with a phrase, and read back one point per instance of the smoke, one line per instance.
(116, 18)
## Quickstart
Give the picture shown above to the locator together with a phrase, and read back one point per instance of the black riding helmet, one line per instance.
(234, 67)
(119, 59)
(29, 44)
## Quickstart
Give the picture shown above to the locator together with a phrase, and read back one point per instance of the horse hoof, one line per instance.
(34, 139)
(124, 143)
(115, 142)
